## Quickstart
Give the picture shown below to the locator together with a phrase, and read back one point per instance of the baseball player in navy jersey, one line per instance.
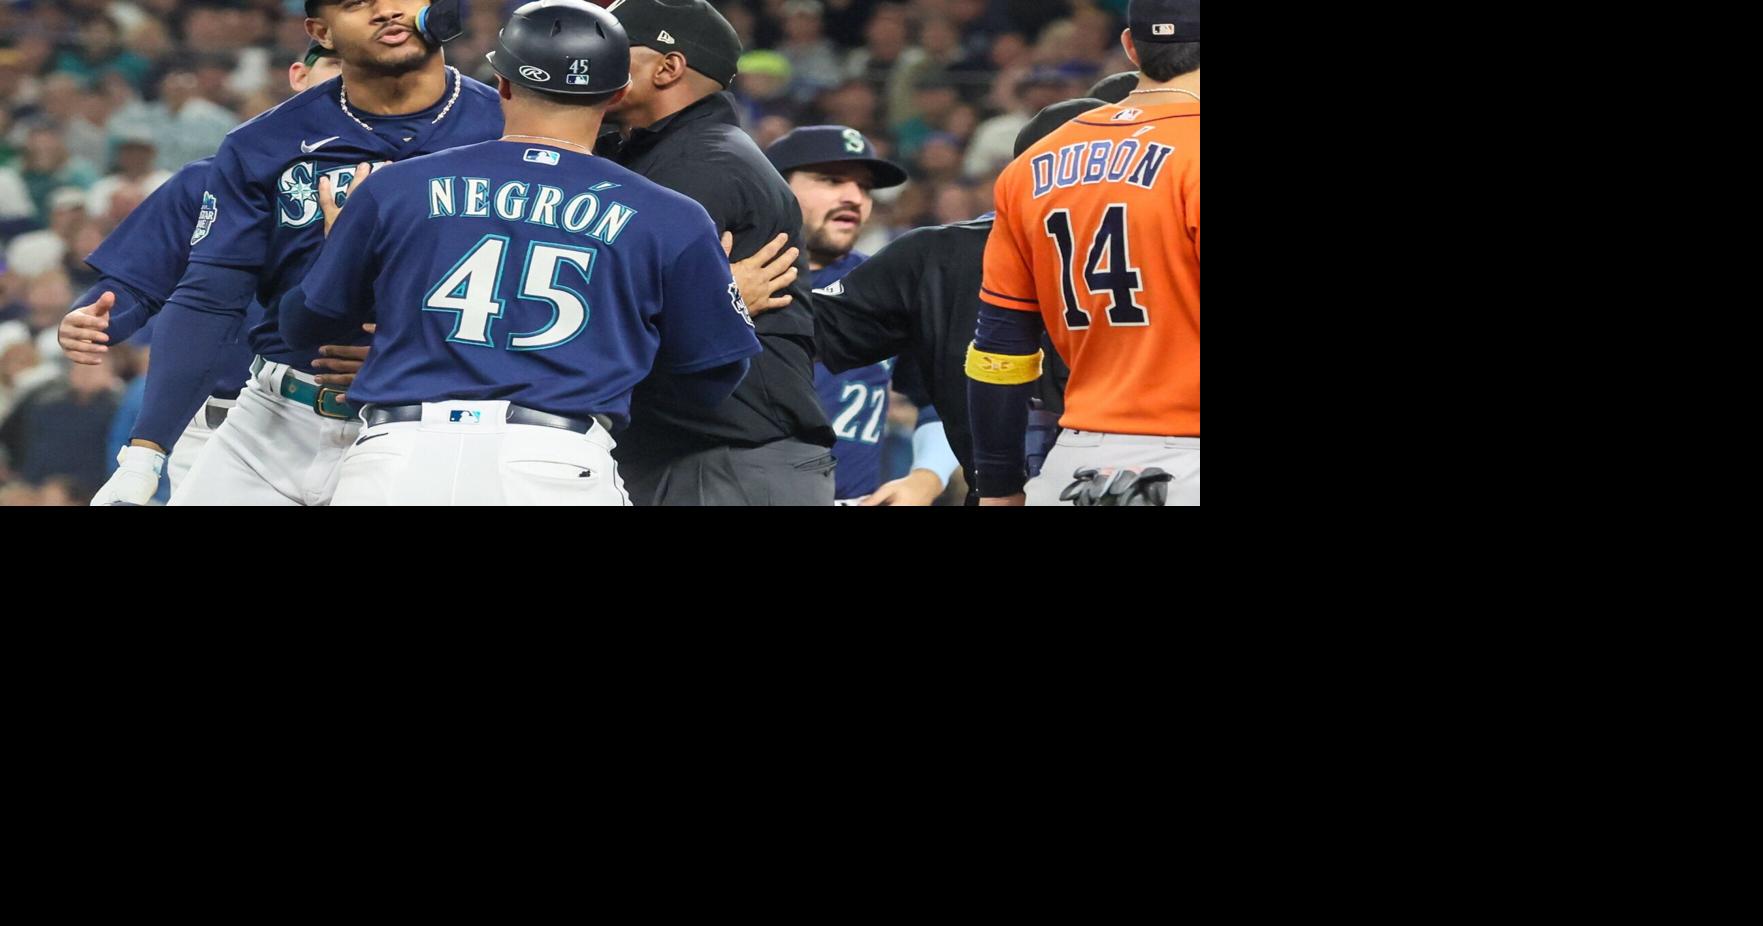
(832, 169)
(523, 287)
(258, 231)
(141, 262)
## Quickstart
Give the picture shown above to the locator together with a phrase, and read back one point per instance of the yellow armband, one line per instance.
(1002, 369)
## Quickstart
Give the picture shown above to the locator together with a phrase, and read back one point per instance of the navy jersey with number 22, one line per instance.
(552, 279)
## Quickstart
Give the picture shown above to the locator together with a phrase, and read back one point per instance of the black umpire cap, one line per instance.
(691, 27)
(1115, 87)
(831, 144)
(1164, 21)
(571, 47)
(1049, 119)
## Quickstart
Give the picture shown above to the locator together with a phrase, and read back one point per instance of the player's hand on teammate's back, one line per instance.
(917, 489)
(81, 333)
(764, 273)
(342, 360)
(327, 197)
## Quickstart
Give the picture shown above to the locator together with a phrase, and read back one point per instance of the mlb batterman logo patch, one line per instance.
(541, 156)
(734, 297)
(205, 218)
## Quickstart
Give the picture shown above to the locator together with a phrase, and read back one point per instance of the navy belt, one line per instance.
(327, 401)
(376, 415)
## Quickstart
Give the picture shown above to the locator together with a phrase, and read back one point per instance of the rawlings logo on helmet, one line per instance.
(532, 73)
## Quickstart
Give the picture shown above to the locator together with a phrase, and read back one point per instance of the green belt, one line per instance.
(327, 401)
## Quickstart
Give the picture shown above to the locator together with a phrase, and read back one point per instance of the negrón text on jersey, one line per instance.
(533, 203)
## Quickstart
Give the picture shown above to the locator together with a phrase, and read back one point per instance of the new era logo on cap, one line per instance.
(1163, 28)
(664, 37)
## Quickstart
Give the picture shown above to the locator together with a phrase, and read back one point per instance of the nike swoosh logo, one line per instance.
(308, 149)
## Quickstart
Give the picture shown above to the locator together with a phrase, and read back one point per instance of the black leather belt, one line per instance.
(376, 415)
(215, 415)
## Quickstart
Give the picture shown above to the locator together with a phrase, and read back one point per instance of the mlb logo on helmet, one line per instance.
(1163, 28)
(578, 73)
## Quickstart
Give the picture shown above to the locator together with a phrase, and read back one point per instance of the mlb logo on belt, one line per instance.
(463, 417)
(541, 156)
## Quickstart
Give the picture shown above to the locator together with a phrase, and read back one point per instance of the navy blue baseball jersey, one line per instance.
(260, 209)
(856, 402)
(549, 278)
(149, 252)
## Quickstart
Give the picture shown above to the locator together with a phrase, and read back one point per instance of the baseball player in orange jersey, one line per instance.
(1097, 239)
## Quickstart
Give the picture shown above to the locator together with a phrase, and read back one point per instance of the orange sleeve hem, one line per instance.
(1008, 302)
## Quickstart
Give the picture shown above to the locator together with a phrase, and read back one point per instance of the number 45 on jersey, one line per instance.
(472, 290)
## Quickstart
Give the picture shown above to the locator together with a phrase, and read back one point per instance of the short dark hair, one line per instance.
(1161, 62)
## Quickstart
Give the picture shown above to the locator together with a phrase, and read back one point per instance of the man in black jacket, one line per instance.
(768, 443)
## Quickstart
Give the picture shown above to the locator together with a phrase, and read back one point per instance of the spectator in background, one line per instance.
(993, 142)
(59, 429)
(853, 103)
(955, 203)
(772, 128)
(939, 161)
(100, 52)
(48, 166)
(17, 212)
(38, 252)
(46, 298)
(762, 88)
(886, 42)
(813, 62)
(937, 60)
(9, 152)
(187, 126)
(64, 107)
(21, 367)
(17, 86)
(134, 176)
(934, 100)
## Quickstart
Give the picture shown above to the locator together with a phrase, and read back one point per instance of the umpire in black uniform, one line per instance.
(769, 443)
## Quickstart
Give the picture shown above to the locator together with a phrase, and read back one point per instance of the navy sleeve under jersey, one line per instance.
(856, 402)
(149, 252)
(548, 278)
(259, 210)
(151, 247)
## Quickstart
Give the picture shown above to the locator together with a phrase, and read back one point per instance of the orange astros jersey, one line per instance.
(1098, 229)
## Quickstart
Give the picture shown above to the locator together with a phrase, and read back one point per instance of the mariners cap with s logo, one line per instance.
(691, 27)
(1164, 21)
(832, 144)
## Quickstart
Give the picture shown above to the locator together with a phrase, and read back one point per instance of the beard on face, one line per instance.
(829, 240)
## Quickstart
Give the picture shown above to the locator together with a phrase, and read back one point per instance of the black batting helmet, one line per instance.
(569, 47)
